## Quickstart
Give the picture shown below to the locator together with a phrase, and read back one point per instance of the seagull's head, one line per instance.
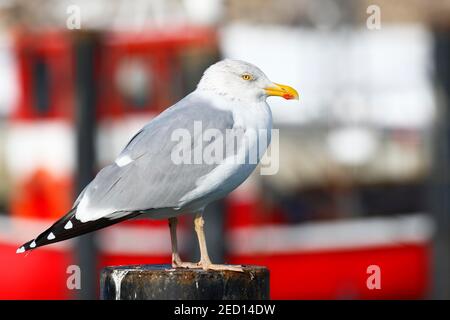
(240, 80)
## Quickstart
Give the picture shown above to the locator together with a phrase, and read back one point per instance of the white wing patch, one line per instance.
(68, 225)
(123, 160)
(86, 213)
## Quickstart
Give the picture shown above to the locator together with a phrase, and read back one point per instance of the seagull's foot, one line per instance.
(185, 265)
(222, 267)
(207, 265)
(177, 263)
(211, 266)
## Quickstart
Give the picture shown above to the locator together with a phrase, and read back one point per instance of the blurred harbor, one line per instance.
(363, 175)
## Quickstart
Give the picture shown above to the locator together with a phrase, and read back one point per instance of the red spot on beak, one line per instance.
(288, 96)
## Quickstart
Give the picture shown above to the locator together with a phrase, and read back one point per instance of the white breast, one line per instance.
(256, 120)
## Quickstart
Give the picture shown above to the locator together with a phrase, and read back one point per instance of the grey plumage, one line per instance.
(146, 184)
(147, 181)
(223, 116)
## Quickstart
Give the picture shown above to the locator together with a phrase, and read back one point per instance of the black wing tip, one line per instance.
(69, 227)
(50, 235)
(45, 238)
(30, 245)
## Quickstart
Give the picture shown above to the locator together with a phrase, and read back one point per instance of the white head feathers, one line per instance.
(236, 80)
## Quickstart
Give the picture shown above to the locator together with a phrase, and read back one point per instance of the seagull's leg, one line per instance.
(204, 257)
(176, 260)
(205, 262)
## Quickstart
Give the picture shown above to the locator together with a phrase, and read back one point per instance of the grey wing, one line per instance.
(145, 176)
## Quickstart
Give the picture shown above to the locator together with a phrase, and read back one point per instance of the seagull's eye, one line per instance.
(247, 76)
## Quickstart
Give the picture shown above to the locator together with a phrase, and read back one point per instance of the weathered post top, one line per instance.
(162, 282)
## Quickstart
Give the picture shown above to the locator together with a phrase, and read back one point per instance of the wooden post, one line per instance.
(162, 282)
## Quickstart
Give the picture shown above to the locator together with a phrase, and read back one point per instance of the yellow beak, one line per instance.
(282, 91)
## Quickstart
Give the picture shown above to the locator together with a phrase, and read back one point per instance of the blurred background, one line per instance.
(363, 178)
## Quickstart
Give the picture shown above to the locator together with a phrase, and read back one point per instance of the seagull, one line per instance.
(154, 176)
